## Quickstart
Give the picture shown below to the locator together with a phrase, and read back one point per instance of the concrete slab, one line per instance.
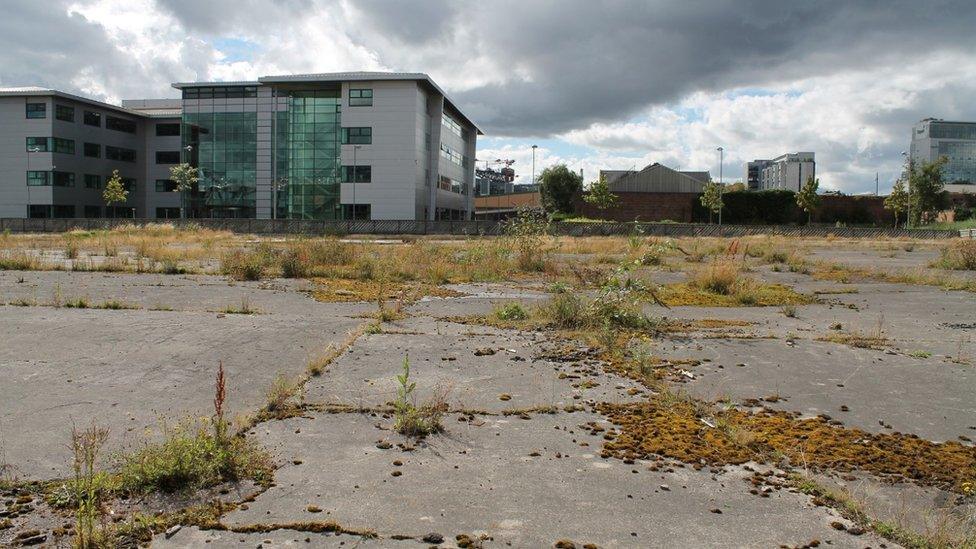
(176, 292)
(524, 483)
(217, 539)
(127, 368)
(445, 356)
(927, 397)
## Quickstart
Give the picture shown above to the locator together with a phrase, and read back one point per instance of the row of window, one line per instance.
(50, 144)
(450, 154)
(221, 92)
(452, 125)
(67, 179)
(67, 211)
(91, 118)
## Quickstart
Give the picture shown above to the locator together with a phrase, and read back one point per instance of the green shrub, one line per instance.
(511, 311)
(190, 457)
(408, 418)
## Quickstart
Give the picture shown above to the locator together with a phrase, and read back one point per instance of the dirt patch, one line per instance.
(332, 290)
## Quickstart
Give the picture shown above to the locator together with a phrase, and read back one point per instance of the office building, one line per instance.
(785, 172)
(933, 138)
(323, 146)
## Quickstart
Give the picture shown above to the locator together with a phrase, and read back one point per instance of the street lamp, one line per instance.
(534, 147)
(189, 154)
(353, 178)
(721, 187)
(34, 149)
(908, 174)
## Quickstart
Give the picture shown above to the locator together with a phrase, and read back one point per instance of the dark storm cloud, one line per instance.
(593, 61)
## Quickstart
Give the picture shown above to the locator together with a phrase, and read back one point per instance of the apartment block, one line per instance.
(786, 172)
(324, 146)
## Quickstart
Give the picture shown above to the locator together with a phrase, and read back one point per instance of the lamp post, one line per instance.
(534, 147)
(721, 186)
(29, 151)
(908, 174)
(353, 179)
(189, 154)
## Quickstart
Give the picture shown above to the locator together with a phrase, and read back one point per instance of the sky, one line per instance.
(616, 84)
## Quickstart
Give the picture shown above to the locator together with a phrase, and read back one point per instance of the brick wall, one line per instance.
(644, 207)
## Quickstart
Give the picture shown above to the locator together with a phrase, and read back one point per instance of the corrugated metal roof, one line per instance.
(657, 178)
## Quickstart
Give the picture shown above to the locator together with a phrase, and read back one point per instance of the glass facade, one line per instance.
(961, 166)
(223, 146)
(309, 160)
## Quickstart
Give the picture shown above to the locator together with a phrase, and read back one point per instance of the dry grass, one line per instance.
(959, 256)
(722, 284)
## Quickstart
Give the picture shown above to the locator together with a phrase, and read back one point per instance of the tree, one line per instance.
(738, 186)
(925, 188)
(897, 201)
(185, 176)
(808, 199)
(711, 198)
(558, 186)
(114, 190)
(600, 195)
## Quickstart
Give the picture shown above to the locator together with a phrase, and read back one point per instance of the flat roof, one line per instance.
(355, 76)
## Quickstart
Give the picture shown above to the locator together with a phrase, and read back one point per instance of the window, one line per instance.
(50, 144)
(93, 181)
(93, 150)
(63, 179)
(64, 211)
(64, 146)
(452, 125)
(167, 213)
(452, 185)
(120, 154)
(38, 144)
(360, 97)
(363, 174)
(93, 118)
(120, 124)
(356, 211)
(165, 185)
(226, 92)
(36, 110)
(129, 184)
(64, 112)
(167, 157)
(38, 179)
(166, 130)
(93, 211)
(452, 155)
(357, 136)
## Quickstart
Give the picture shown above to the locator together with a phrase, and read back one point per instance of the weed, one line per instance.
(70, 249)
(510, 311)
(788, 311)
(409, 419)
(79, 303)
(115, 304)
(243, 265)
(57, 298)
(920, 354)
(284, 395)
(527, 234)
(190, 456)
(373, 328)
(720, 277)
(960, 256)
(88, 487)
(243, 309)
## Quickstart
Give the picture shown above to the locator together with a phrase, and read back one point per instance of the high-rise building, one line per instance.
(358, 145)
(788, 172)
(933, 138)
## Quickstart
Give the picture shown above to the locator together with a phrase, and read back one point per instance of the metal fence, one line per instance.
(471, 228)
